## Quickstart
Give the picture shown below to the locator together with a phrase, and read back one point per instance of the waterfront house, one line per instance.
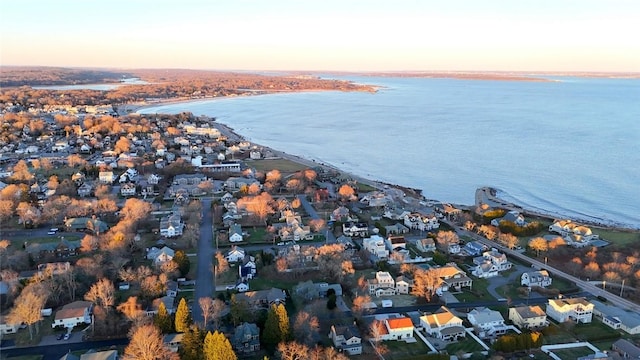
(539, 278)
(417, 221)
(346, 338)
(577, 309)
(443, 324)
(73, 314)
(528, 317)
(512, 216)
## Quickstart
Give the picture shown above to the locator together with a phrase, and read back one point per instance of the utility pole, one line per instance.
(622, 287)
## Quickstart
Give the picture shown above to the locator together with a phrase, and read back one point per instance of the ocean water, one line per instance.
(570, 147)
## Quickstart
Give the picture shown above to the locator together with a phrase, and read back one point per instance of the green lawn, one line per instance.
(595, 330)
(468, 345)
(285, 166)
(554, 334)
(399, 350)
(28, 357)
(22, 336)
(478, 292)
(618, 237)
(573, 353)
(266, 284)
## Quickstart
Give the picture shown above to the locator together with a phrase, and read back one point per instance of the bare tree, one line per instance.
(426, 282)
(306, 328)
(131, 309)
(27, 309)
(508, 240)
(292, 351)
(221, 266)
(360, 305)
(146, 344)
(211, 310)
(102, 293)
(376, 331)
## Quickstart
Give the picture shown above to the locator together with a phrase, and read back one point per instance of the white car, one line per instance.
(51, 233)
(280, 244)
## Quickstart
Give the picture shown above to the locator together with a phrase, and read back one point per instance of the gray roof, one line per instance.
(628, 318)
(625, 346)
(485, 315)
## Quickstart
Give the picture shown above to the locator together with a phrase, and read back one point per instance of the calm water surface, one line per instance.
(570, 147)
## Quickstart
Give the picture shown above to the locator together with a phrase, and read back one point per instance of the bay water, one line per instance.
(569, 147)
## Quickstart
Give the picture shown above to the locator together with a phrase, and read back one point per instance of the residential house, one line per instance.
(235, 233)
(577, 309)
(375, 245)
(54, 268)
(6, 328)
(626, 349)
(246, 338)
(63, 248)
(237, 183)
(395, 242)
(567, 227)
(398, 328)
(490, 264)
(355, 229)
(247, 270)
(100, 355)
(171, 225)
(538, 278)
(169, 304)
(528, 317)
(86, 224)
(153, 179)
(346, 338)
(487, 322)
(342, 214)
(263, 298)
(235, 254)
(403, 285)
(78, 178)
(160, 256)
(443, 324)
(394, 213)
(242, 286)
(173, 341)
(172, 288)
(128, 189)
(426, 245)
(512, 216)
(396, 229)
(417, 221)
(475, 248)
(189, 179)
(323, 289)
(452, 277)
(617, 318)
(226, 197)
(106, 177)
(85, 189)
(73, 314)
(382, 285)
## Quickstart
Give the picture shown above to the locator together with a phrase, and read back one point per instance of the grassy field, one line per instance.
(266, 284)
(556, 335)
(399, 350)
(595, 330)
(573, 353)
(22, 336)
(285, 166)
(617, 237)
(478, 292)
(468, 345)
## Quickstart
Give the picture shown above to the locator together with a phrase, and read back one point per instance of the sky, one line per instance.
(322, 35)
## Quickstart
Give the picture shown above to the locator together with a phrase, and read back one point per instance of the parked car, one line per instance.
(66, 336)
(51, 233)
(60, 336)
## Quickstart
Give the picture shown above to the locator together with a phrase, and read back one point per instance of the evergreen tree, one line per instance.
(163, 319)
(277, 327)
(239, 311)
(183, 317)
(183, 262)
(217, 347)
(191, 346)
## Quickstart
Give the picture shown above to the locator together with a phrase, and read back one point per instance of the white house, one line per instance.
(160, 256)
(171, 226)
(528, 317)
(248, 269)
(512, 216)
(235, 233)
(617, 318)
(346, 339)
(539, 278)
(106, 177)
(403, 285)
(487, 322)
(6, 328)
(490, 264)
(395, 242)
(235, 254)
(398, 328)
(577, 309)
(375, 245)
(567, 228)
(128, 189)
(382, 285)
(75, 313)
(426, 245)
(417, 221)
(443, 325)
(355, 229)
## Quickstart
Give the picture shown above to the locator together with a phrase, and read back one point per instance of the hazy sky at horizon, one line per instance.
(349, 35)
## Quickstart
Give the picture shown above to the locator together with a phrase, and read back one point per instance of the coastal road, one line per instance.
(205, 285)
(584, 285)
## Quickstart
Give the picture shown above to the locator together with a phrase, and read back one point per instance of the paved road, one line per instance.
(499, 281)
(584, 285)
(314, 215)
(204, 279)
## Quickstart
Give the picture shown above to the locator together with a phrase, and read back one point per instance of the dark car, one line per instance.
(59, 337)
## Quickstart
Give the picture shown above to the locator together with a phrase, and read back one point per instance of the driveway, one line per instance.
(499, 281)
(314, 215)
(205, 285)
